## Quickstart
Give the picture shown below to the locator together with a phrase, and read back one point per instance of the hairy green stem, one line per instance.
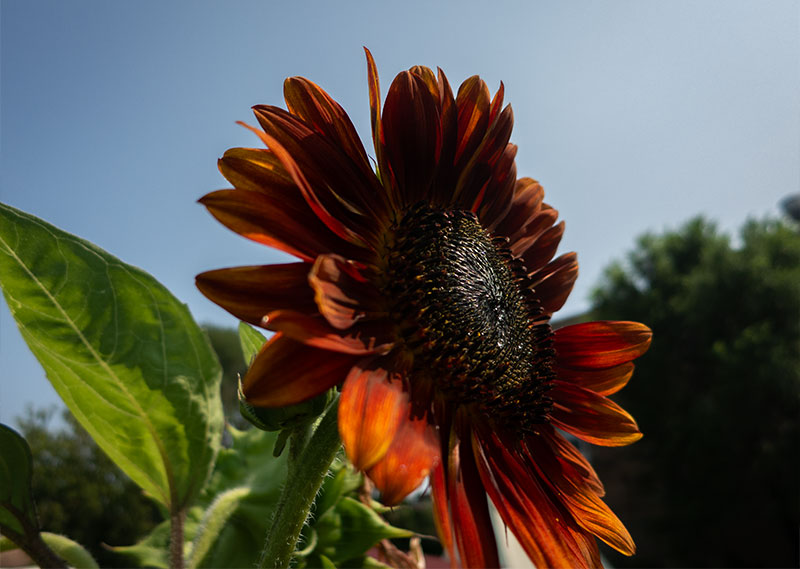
(308, 466)
(176, 539)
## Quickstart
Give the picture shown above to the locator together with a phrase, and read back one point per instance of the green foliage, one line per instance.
(80, 492)
(17, 512)
(714, 482)
(70, 551)
(121, 351)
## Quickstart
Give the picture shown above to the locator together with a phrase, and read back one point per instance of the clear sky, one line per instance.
(634, 115)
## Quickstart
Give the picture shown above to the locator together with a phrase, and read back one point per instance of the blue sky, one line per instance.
(634, 115)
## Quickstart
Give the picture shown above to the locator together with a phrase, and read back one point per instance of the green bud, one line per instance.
(284, 418)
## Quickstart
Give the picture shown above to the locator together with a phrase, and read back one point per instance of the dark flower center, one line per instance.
(468, 316)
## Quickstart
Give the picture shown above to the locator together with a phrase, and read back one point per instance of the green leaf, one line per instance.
(70, 551)
(350, 529)
(251, 340)
(123, 353)
(344, 479)
(17, 511)
(214, 522)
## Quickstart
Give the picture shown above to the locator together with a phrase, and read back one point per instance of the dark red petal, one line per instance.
(497, 102)
(591, 417)
(446, 176)
(601, 344)
(258, 170)
(361, 339)
(267, 220)
(526, 202)
(586, 507)
(472, 102)
(603, 381)
(533, 229)
(371, 410)
(473, 526)
(286, 372)
(538, 523)
(441, 510)
(342, 293)
(408, 461)
(572, 460)
(500, 190)
(542, 250)
(553, 282)
(412, 136)
(250, 293)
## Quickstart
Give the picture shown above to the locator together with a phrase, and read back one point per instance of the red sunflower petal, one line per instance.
(469, 508)
(553, 282)
(586, 507)
(343, 295)
(258, 170)
(500, 190)
(267, 220)
(441, 510)
(250, 293)
(286, 372)
(412, 136)
(542, 250)
(603, 381)
(312, 104)
(536, 521)
(472, 102)
(408, 461)
(360, 339)
(526, 202)
(533, 229)
(572, 460)
(324, 175)
(371, 410)
(591, 417)
(601, 344)
(446, 176)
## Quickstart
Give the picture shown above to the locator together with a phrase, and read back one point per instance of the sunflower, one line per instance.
(424, 288)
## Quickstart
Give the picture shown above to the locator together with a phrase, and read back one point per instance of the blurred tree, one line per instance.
(715, 482)
(80, 492)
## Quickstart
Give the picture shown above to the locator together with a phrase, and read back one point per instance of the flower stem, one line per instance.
(176, 539)
(308, 465)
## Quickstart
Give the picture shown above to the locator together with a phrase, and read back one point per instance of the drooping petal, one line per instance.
(591, 417)
(250, 293)
(553, 282)
(343, 295)
(603, 381)
(286, 372)
(441, 510)
(586, 507)
(469, 508)
(267, 220)
(539, 523)
(371, 410)
(407, 463)
(572, 460)
(314, 330)
(601, 344)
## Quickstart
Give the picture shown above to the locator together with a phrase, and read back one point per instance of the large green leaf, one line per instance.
(17, 512)
(123, 353)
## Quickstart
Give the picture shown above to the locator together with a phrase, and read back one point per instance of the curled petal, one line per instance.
(315, 331)
(408, 461)
(371, 410)
(591, 417)
(250, 293)
(601, 344)
(343, 294)
(286, 372)
(603, 381)
(554, 281)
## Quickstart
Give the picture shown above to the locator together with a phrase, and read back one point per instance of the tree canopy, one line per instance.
(715, 480)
